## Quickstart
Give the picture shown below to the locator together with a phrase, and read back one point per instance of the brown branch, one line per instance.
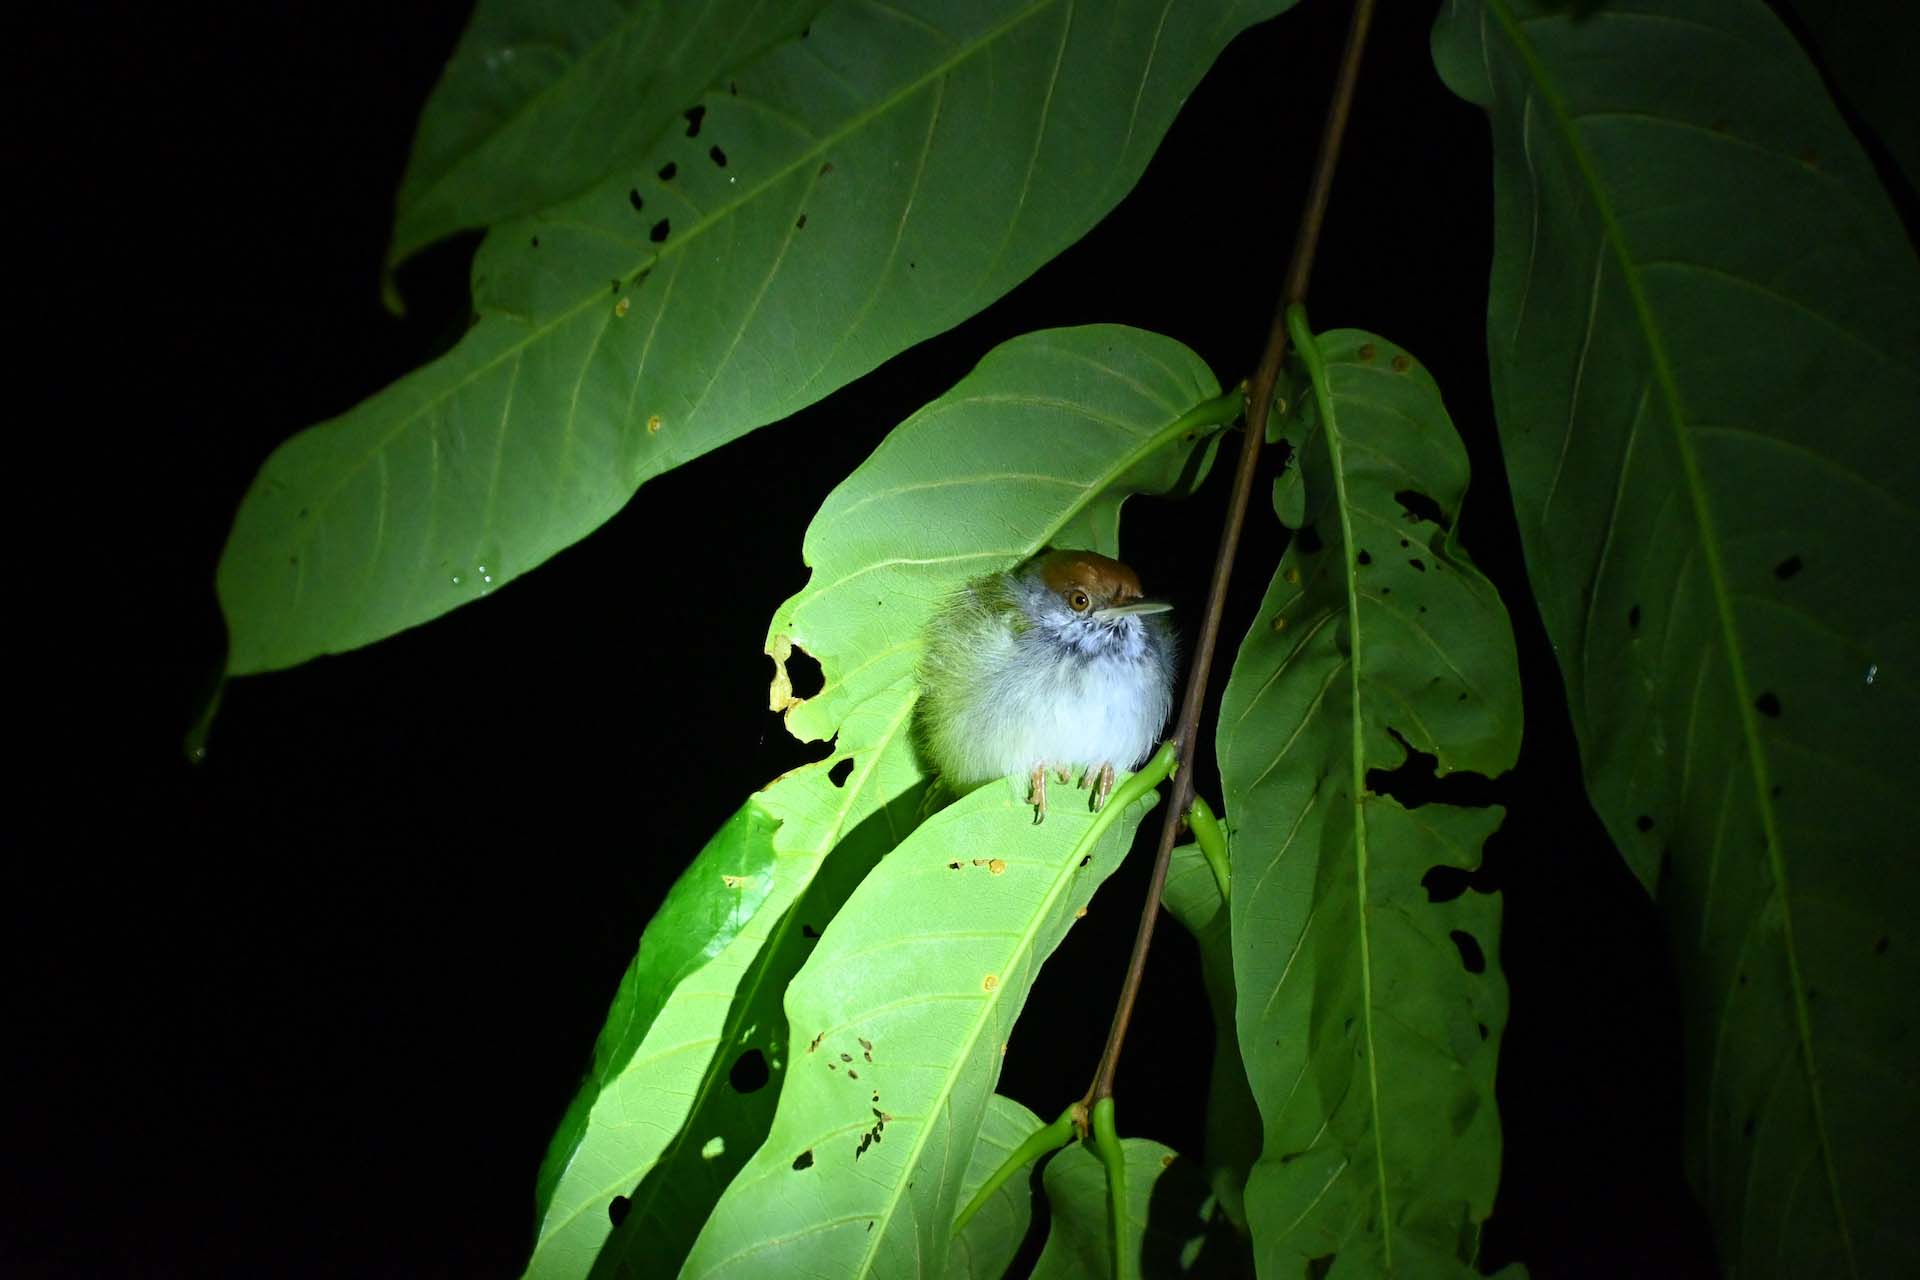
(1259, 397)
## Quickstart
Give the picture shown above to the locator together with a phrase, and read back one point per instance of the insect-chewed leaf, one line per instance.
(689, 1063)
(542, 101)
(1704, 333)
(1039, 445)
(841, 198)
(1106, 408)
(1369, 1016)
(897, 1024)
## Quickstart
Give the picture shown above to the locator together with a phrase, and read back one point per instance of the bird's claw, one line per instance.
(1105, 788)
(1037, 793)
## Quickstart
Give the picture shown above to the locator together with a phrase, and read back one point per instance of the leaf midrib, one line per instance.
(1669, 397)
(1356, 783)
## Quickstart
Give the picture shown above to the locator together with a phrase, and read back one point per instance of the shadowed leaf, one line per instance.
(1704, 334)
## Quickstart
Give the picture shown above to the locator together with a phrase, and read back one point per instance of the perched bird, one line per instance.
(1057, 664)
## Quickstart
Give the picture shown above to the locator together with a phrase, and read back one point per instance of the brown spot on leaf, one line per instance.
(1401, 364)
(996, 866)
(732, 882)
(1366, 351)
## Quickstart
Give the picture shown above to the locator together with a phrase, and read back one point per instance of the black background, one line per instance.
(314, 1006)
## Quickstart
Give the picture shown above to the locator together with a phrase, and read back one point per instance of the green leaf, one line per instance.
(1167, 1215)
(1107, 411)
(1704, 333)
(1192, 896)
(541, 101)
(704, 912)
(898, 1022)
(882, 180)
(639, 1142)
(1369, 1016)
(986, 1245)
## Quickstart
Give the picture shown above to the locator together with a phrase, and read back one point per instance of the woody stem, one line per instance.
(1259, 398)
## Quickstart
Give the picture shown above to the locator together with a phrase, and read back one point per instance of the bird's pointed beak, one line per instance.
(1132, 609)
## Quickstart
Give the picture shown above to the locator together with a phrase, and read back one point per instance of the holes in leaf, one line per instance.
(1416, 782)
(800, 223)
(1309, 540)
(633, 198)
(1472, 958)
(749, 1072)
(804, 673)
(808, 931)
(661, 230)
(715, 154)
(1768, 704)
(694, 117)
(1419, 565)
(1444, 883)
(667, 171)
(1484, 1031)
(1318, 1268)
(1746, 1130)
(839, 774)
(1880, 945)
(1363, 558)
(617, 1209)
(1419, 506)
(536, 242)
(1787, 568)
(804, 1160)
(1643, 823)
(1633, 618)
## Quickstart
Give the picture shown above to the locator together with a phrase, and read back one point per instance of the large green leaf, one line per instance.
(897, 1025)
(1705, 340)
(1369, 1013)
(985, 1247)
(1096, 413)
(541, 101)
(846, 195)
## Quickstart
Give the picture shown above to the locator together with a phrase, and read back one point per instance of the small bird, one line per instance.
(1056, 664)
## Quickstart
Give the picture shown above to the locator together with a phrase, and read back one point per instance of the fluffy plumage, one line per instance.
(1058, 663)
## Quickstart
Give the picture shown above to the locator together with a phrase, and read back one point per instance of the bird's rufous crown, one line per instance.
(1108, 581)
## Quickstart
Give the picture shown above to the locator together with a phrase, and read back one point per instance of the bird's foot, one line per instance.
(1105, 788)
(1037, 793)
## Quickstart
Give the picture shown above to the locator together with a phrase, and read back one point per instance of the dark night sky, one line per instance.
(314, 1006)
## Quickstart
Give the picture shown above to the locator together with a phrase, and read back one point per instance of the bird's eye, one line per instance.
(1080, 601)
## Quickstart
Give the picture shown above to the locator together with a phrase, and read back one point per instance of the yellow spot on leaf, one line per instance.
(996, 865)
(653, 424)
(1292, 574)
(989, 984)
(621, 307)
(733, 882)
(1081, 914)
